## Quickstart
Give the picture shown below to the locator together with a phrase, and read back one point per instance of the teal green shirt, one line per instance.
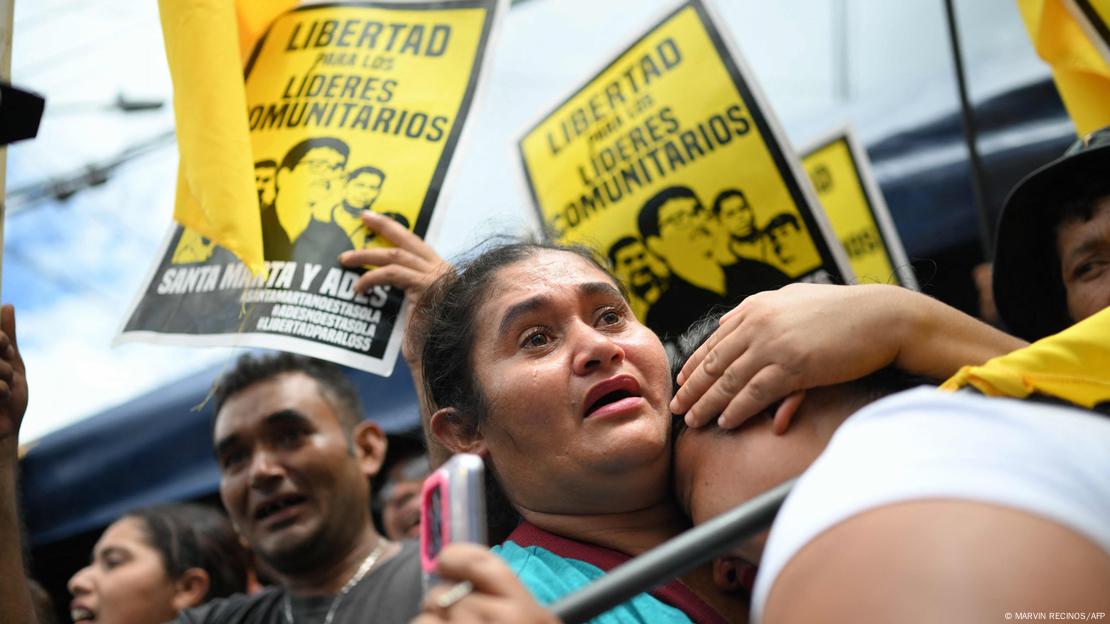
(551, 575)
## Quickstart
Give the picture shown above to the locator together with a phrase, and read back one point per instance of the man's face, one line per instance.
(320, 174)
(289, 478)
(637, 268)
(787, 242)
(1084, 249)
(401, 497)
(737, 217)
(264, 182)
(363, 190)
(683, 228)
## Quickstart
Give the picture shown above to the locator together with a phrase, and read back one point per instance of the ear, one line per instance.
(731, 574)
(457, 433)
(190, 589)
(370, 446)
(784, 415)
(652, 243)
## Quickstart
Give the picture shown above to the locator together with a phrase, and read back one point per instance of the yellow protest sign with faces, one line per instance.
(670, 162)
(841, 175)
(349, 107)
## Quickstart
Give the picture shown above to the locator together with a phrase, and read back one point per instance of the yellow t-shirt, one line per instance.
(1073, 365)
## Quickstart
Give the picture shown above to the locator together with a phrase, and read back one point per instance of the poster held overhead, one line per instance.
(349, 107)
(841, 174)
(670, 162)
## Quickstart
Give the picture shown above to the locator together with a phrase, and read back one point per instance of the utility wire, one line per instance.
(24, 198)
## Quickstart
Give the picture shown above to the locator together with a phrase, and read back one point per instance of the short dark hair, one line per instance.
(783, 219)
(366, 169)
(333, 385)
(726, 194)
(188, 535)
(649, 215)
(297, 152)
(621, 243)
(269, 162)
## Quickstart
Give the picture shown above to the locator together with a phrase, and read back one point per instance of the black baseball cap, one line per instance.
(1028, 287)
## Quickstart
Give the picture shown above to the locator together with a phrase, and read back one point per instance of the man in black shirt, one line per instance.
(295, 466)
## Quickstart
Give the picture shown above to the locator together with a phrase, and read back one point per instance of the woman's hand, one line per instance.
(411, 264)
(496, 594)
(778, 343)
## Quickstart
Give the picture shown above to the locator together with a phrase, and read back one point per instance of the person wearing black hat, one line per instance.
(1052, 254)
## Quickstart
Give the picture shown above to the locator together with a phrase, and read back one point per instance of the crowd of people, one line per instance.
(913, 503)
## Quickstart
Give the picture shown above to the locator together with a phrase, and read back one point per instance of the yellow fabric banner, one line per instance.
(1082, 75)
(206, 45)
(1073, 365)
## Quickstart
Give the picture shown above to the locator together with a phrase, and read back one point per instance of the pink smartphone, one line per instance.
(452, 509)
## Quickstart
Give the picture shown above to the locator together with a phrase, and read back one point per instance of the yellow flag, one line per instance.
(206, 43)
(1082, 75)
(1073, 365)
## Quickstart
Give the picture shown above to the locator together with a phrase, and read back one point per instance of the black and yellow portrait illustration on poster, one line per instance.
(854, 205)
(350, 107)
(669, 163)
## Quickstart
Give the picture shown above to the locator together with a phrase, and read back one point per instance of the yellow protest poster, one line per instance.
(669, 162)
(841, 175)
(350, 107)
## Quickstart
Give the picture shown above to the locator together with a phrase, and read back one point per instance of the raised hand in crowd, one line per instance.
(494, 595)
(777, 343)
(411, 264)
(15, 597)
(13, 379)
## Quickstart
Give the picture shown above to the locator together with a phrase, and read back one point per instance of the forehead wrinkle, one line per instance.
(519, 309)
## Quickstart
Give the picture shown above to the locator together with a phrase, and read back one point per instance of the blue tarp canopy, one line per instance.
(156, 448)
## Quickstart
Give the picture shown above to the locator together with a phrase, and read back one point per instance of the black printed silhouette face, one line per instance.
(264, 177)
(683, 223)
(788, 242)
(321, 173)
(737, 217)
(363, 190)
(639, 269)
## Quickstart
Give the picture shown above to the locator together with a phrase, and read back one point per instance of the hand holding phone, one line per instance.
(452, 509)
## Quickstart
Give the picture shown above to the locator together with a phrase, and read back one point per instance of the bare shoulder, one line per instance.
(941, 560)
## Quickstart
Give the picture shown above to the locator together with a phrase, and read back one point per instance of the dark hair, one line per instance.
(619, 245)
(649, 215)
(871, 387)
(334, 386)
(725, 194)
(269, 162)
(366, 169)
(782, 219)
(194, 536)
(297, 152)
